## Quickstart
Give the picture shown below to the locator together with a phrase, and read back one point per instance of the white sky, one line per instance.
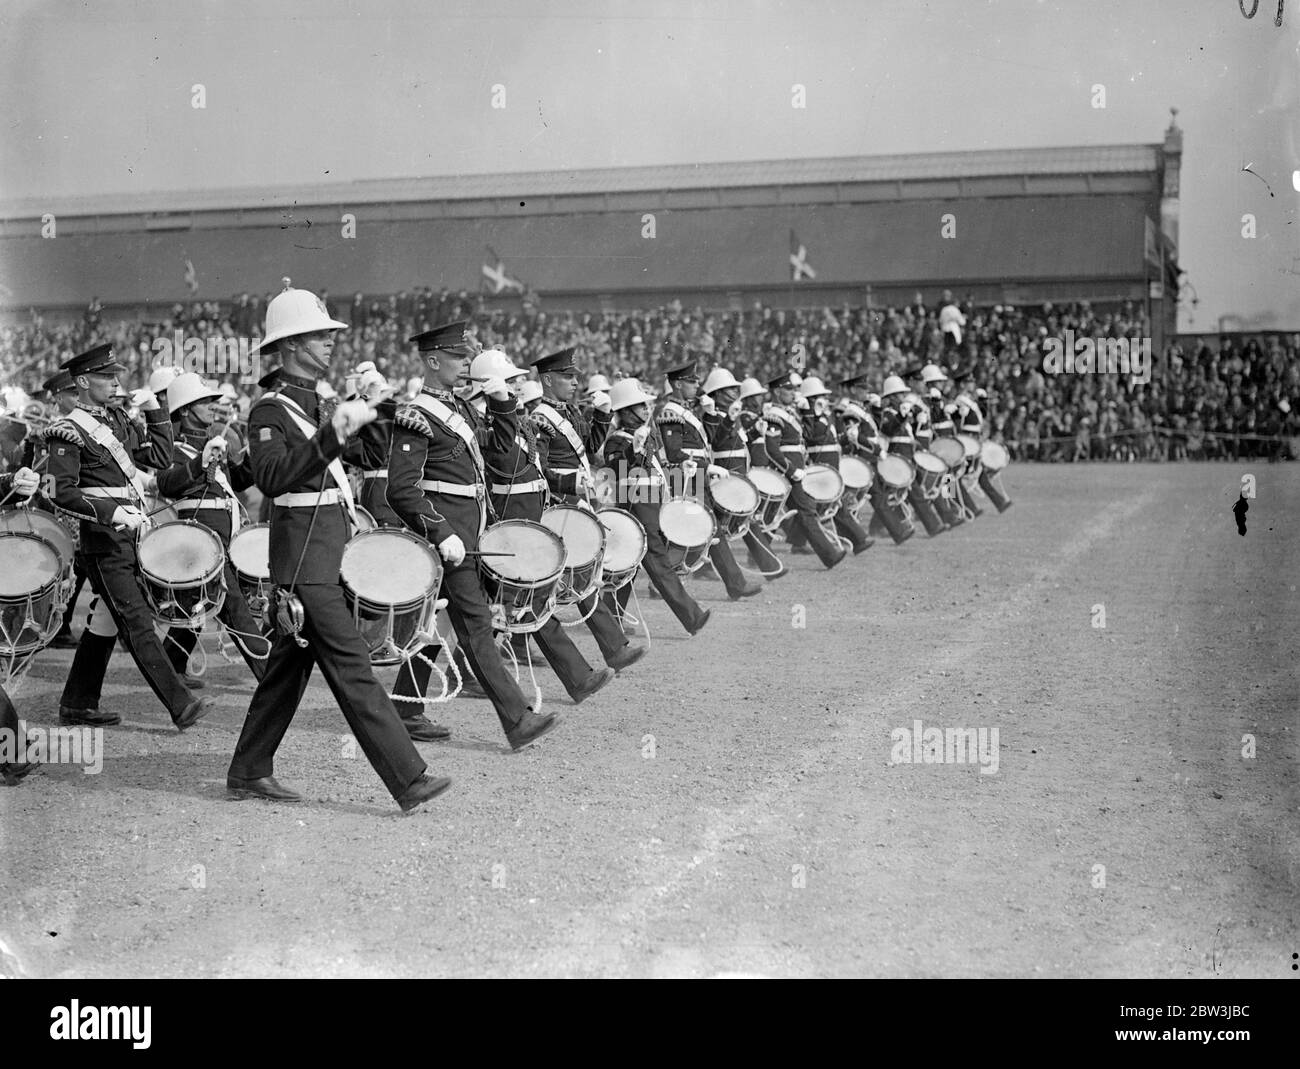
(96, 97)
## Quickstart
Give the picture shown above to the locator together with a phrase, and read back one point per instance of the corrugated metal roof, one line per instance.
(1081, 159)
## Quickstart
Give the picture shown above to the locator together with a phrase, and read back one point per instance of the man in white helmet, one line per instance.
(438, 485)
(898, 416)
(821, 439)
(205, 476)
(369, 453)
(295, 449)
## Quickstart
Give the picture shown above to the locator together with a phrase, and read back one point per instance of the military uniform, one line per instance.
(785, 452)
(734, 445)
(10, 773)
(643, 486)
(685, 438)
(93, 453)
(208, 497)
(294, 454)
(437, 486)
(823, 444)
(369, 454)
(565, 442)
(900, 435)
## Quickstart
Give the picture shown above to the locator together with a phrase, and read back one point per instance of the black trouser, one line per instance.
(604, 625)
(471, 618)
(759, 544)
(924, 510)
(8, 716)
(724, 563)
(79, 574)
(891, 519)
(806, 526)
(334, 644)
(114, 577)
(240, 622)
(665, 580)
(847, 524)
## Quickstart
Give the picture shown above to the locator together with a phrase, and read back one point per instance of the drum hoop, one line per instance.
(600, 527)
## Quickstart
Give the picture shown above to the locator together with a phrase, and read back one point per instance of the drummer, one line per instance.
(785, 451)
(202, 483)
(823, 445)
(437, 485)
(685, 452)
(93, 455)
(861, 438)
(21, 484)
(369, 454)
(566, 441)
(897, 423)
(633, 453)
(517, 491)
(732, 432)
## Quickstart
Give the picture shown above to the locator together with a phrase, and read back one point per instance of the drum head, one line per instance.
(970, 445)
(894, 471)
(625, 539)
(855, 472)
(250, 551)
(686, 523)
(929, 462)
(389, 567)
(33, 521)
(994, 456)
(736, 494)
(27, 563)
(180, 552)
(769, 482)
(579, 530)
(949, 450)
(538, 552)
(822, 483)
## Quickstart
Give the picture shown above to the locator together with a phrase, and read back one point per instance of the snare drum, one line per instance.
(527, 582)
(950, 451)
(930, 471)
(43, 525)
(625, 546)
(183, 570)
(994, 457)
(30, 609)
(390, 585)
(825, 486)
(971, 446)
(689, 529)
(735, 500)
(857, 477)
(773, 489)
(250, 556)
(584, 550)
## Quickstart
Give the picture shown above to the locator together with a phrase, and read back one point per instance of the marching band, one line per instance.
(520, 508)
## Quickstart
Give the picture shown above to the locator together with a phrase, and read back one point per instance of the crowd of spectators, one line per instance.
(1217, 397)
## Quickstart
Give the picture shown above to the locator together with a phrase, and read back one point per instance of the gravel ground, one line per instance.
(729, 806)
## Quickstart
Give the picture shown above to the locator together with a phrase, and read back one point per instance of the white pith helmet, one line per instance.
(719, 379)
(627, 392)
(293, 312)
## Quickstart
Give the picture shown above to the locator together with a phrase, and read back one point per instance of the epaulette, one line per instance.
(670, 413)
(410, 417)
(64, 430)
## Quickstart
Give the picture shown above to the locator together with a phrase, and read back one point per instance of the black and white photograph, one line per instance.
(584, 489)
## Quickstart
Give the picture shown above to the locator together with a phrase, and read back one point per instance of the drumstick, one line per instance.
(488, 553)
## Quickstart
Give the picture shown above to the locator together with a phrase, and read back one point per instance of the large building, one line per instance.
(1008, 225)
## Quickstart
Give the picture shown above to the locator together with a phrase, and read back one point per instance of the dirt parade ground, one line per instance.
(739, 803)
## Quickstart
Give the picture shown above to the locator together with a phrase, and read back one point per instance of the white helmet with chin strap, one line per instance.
(292, 312)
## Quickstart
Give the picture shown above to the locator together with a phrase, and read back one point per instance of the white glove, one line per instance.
(821, 406)
(801, 403)
(370, 384)
(734, 410)
(127, 516)
(796, 475)
(689, 468)
(214, 450)
(26, 482)
(495, 386)
(351, 416)
(707, 404)
(600, 401)
(851, 433)
(145, 400)
(760, 425)
(584, 481)
(717, 471)
(452, 549)
(639, 437)
(767, 410)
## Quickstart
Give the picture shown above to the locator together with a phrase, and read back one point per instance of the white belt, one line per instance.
(437, 486)
(534, 487)
(730, 454)
(823, 448)
(378, 473)
(791, 449)
(698, 454)
(197, 503)
(117, 493)
(310, 499)
(644, 480)
(566, 471)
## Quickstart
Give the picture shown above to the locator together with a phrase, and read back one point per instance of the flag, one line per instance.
(191, 277)
(494, 274)
(799, 266)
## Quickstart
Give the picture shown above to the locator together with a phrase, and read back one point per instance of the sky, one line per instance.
(97, 97)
